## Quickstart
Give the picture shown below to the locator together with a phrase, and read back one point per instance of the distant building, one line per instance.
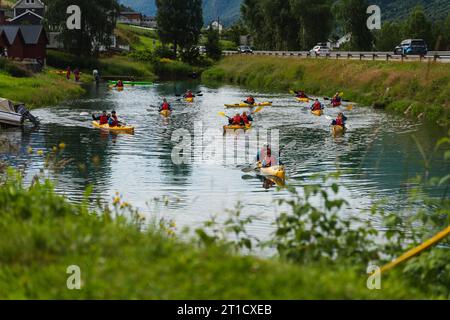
(149, 22)
(216, 25)
(28, 12)
(23, 42)
(134, 18)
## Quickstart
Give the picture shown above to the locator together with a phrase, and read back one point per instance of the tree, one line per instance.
(315, 20)
(354, 19)
(417, 26)
(213, 44)
(235, 32)
(98, 21)
(179, 22)
(388, 37)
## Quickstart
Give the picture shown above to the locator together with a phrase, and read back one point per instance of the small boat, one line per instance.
(15, 115)
(189, 100)
(236, 127)
(246, 105)
(165, 113)
(122, 129)
(338, 130)
(317, 112)
(275, 171)
(303, 100)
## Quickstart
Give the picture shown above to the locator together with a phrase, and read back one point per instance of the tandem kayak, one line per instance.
(246, 105)
(317, 112)
(165, 113)
(236, 127)
(275, 171)
(124, 129)
(132, 83)
(338, 130)
(303, 99)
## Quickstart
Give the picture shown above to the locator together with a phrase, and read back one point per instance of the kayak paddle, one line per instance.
(224, 115)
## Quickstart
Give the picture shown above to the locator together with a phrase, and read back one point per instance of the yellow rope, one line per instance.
(437, 238)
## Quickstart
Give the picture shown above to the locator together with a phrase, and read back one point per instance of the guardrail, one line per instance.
(439, 56)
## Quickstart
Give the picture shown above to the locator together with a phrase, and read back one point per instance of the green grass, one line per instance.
(41, 234)
(38, 90)
(422, 88)
(137, 38)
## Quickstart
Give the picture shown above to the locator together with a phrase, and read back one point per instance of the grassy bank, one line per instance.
(41, 234)
(38, 90)
(417, 89)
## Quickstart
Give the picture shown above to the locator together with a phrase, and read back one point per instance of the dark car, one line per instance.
(412, 46)
(245, 49)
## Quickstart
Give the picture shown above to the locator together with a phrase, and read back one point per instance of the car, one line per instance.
(412, 46)
(245, 49)
(320, 49)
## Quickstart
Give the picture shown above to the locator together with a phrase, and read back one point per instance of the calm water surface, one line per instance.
(377, 157)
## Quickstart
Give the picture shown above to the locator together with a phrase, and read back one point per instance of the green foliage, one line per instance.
(417, 26)
(213, 45)
(97, 24)
(353, 15)
(179, 22)
(388, 37)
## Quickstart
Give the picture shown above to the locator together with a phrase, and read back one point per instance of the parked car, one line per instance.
(245, 49)
(412, 46)
(320, 50)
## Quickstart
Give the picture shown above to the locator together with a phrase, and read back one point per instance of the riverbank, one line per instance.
(42, 234)
(418, 90)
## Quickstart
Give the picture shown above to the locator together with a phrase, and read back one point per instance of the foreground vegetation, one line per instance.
(41, 234)
(417, 89)
(35, 90)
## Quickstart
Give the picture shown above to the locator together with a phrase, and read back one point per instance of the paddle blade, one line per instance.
(350, 108)
(222, 114)
(259, 109)
(341, 94)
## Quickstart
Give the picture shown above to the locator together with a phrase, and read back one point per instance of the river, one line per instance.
(377, 157)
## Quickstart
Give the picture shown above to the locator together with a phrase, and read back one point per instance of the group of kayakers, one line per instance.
(240, 120)
(111, 119)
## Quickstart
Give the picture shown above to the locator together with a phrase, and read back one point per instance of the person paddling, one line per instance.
(103, 119)
(188, 95)
(165, 106)
(237, 120)
(301, 94)
(340, 120)
(250, 100)
(265, 158)
(119, 84)
(246, 119)
(317, 106)
(114, 120)
(336, 100)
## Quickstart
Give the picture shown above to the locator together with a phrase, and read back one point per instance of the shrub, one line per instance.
(13, 69)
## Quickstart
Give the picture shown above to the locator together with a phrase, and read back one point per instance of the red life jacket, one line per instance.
(189, 95)
(165, 106)
(103, 120)
(317, 106)
(237, 120)
(120, 84)
(339, 122)
(115, 122)
(245, 119)
(250, 101)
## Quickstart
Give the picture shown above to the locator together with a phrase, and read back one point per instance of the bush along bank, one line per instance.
(418, 90)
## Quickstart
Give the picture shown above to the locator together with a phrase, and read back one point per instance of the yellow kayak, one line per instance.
(112, 87)
(275, 171)
(338, 130)
(236, 127)
(246, 105)
(166, 113)
(190, 100)
(303, 99)
(317, 113)
(124, 129)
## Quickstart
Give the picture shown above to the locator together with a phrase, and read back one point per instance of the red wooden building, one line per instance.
(23, 41)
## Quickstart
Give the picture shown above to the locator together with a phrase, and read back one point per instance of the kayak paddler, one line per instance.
(250, 100)
(165, 106)
(119, 84)
(340, 120)
(246, 119)
(301, 94)
(113, 120)
(103, 119)
(336, 100)
(266, 158)
(237, 120)
(188, 95)
(317, 106)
